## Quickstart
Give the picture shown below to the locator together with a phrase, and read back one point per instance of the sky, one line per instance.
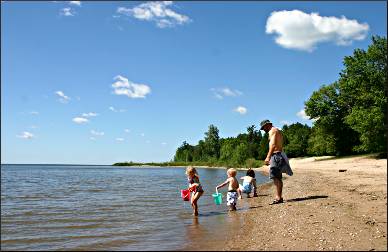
(105, 82)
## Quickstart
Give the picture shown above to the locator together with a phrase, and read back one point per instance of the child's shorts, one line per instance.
(231, 198)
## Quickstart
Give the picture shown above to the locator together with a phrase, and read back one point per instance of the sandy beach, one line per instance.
(324, 209)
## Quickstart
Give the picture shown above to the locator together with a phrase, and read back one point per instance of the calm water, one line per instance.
(59, 207)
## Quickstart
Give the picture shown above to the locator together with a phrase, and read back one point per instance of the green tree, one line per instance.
(263, 149)
(240, 154)
(324, 106)
(253, 141)
(321, 143)
(296, 139)
(212, 142)
(184, 153)
(363, 91)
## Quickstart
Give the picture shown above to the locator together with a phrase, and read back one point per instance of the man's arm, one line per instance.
(272, 146)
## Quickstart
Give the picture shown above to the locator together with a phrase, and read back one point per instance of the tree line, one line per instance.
(349, 118)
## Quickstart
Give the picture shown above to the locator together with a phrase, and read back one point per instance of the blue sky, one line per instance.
(103, 82)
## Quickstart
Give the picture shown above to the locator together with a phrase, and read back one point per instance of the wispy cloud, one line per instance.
(67, 12)
(63, 98)
(119, 139)
(142, 134)
(240, 109)
(26, 135)
(116, 110)
(90, 114)
(164, 143)
(284, 122)
(302, 31)
(220, 93)
(157, 12)
(127, 130)
(77, 3)
(96, 133)
(80, 120)
(123, 86)
(34, 113)
(92, 138)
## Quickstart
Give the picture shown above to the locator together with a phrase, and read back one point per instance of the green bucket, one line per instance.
(217, 198)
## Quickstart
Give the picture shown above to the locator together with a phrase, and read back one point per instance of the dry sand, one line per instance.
(324, 209)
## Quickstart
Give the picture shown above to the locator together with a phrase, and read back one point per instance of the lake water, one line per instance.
(67, 207)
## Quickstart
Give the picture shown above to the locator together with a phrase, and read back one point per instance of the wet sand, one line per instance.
(324, 209)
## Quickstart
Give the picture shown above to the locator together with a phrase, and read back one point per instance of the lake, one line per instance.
(69, 207)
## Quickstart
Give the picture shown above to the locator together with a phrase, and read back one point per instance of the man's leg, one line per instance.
(279, 188)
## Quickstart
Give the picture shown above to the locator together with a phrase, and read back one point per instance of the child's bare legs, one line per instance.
(239, 192)
(194, 204)
(254, 188)
(232, 207)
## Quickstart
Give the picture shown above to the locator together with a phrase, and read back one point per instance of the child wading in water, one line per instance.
(195, 187)
(233, 189)
(249, 184)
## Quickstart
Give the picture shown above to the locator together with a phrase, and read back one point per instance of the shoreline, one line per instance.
(324, 209)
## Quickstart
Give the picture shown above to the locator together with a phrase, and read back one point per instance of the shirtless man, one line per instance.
(274, 157)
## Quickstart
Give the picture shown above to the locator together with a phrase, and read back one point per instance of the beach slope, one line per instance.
(324, 209)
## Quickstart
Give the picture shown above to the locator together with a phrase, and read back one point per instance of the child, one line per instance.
(233, 191)
(195, 187)
(249, 183)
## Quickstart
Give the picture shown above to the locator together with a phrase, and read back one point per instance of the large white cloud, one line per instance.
(123, 86)
(77, 3)
(298, 30)
(157, 12)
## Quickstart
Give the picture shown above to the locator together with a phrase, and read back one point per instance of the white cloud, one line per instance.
(26, 135)
(63, 98)
(298, 30)
(68, 12)
(302, 114)
(240, 109)
(116, 110)
(220, 93)
(92, 138)
(157, 12)
(33, 127)
(80, 120)
(127, 130)
(96, 133)
(78, 3)
(142, 134)
(90, 114)
(286, 122)
(164, 143)
(123, 86)
(119, 139)
(34, 113)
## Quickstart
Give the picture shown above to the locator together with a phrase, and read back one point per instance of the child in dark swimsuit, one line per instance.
(195, 187)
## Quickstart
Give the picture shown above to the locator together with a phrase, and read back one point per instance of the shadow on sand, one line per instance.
(308, 198)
